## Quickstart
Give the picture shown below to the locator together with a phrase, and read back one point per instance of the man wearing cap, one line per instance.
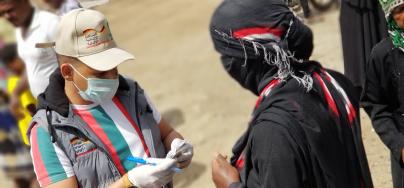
(33, 25)
(90, 119)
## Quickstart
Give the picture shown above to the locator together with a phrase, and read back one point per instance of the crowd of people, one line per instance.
(68, 118)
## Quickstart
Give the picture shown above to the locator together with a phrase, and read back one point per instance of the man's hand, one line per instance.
(182, 151)
(223, 174)
(152, 176)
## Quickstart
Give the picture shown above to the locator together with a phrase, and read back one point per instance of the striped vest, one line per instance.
(97, 169)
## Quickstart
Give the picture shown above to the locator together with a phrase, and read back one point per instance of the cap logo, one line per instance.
(97, 36)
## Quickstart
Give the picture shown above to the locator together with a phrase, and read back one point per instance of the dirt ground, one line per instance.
(178, 67)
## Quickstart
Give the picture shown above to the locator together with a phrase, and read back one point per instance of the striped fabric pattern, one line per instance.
(118, 132)
(50, 163)
(110, 122)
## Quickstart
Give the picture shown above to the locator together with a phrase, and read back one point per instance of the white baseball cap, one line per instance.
(85, 35)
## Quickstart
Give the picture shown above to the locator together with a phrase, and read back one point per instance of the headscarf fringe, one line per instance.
(274, 55)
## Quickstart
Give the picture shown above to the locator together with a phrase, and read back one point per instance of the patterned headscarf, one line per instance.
(395, 32)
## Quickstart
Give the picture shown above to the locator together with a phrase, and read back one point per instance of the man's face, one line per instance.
(16, 66)
(398, 16)
(15, 11)
(71, 70)
(55, 4)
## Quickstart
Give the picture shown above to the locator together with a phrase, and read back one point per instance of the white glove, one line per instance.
(152, 176)
(182, 151)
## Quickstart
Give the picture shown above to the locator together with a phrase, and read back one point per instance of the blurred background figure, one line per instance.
(3, 72)
(32, 26)
(362, 26)
(15, 67)
(15, 160)
(1, 42)
(62, 6)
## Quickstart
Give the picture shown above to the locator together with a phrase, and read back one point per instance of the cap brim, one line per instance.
(92, 3)
(106, 60)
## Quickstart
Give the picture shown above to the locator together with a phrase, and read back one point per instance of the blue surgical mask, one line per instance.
(98, 90)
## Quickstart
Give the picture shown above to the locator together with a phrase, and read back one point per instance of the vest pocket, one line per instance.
(93, 169)
(82, 147)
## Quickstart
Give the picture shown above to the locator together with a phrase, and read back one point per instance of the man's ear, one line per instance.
(67, 71)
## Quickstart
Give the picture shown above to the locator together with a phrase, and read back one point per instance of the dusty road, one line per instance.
(177, 66)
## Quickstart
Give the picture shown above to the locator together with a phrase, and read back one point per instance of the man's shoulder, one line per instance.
(46, 17)
(127, 83)
(273, 132)
(382, 48)
(38, 120)
(46, 14)
(274, 119)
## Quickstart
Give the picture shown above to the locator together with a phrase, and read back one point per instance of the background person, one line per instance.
(32, 26)
(14, 65)
(63, 6)
(15, 160)
(383, 95)
(362, 27)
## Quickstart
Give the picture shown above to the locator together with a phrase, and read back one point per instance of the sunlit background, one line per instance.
(178, 67)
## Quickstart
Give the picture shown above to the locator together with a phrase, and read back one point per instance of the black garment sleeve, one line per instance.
(275, 157)
(375, 101)
(236, 185)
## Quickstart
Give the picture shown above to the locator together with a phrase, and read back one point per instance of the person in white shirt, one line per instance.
(63, 6)
(33, 25)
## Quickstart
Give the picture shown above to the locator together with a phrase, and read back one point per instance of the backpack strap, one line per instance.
(51, 129)
(53, 135)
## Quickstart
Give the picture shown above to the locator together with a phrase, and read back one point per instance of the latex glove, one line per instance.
(182, 151)
(152, 176)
